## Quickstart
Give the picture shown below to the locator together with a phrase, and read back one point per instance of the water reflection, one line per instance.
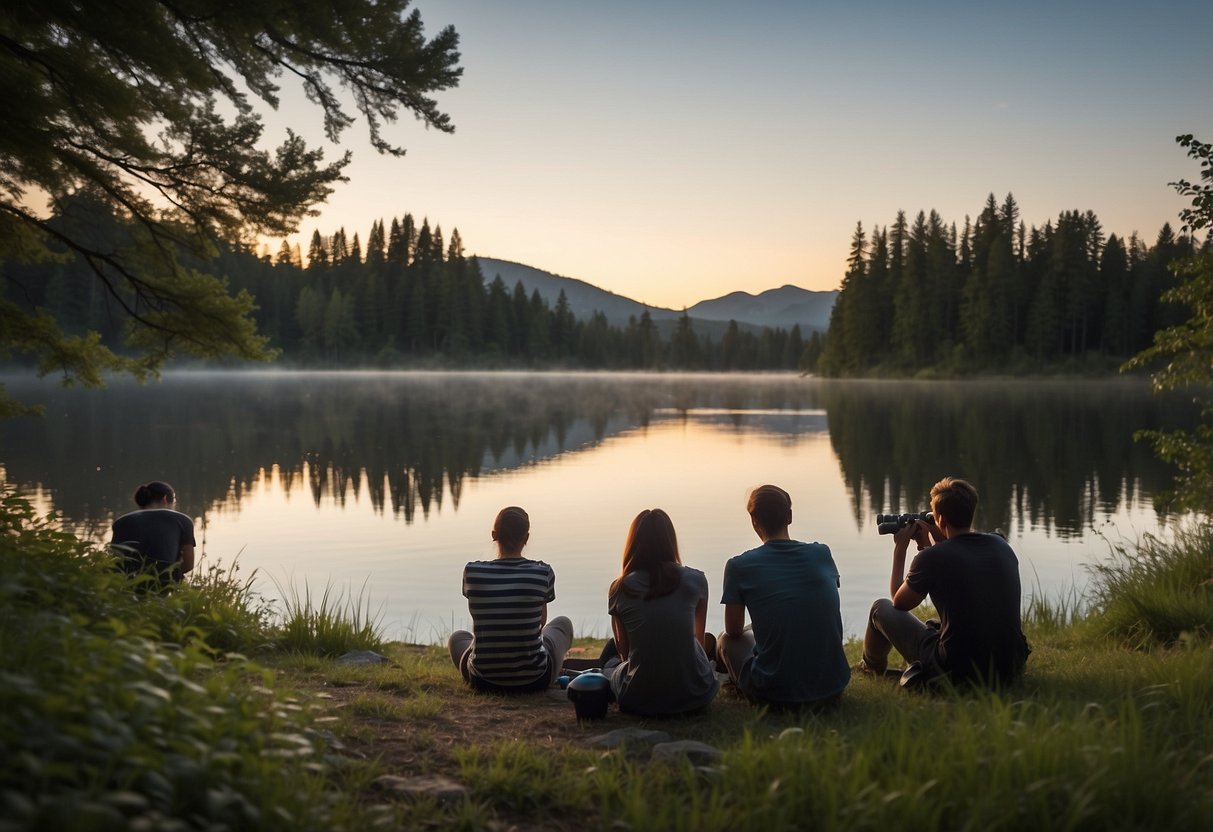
(394, 478)
(1047, 454)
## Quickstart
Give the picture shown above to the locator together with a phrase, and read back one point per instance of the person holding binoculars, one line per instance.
(973, 581)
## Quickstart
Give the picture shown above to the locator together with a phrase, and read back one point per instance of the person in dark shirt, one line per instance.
(973, 581)
(791, 655)
(156, 537)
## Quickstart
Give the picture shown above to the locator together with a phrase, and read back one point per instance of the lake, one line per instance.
(381, 485)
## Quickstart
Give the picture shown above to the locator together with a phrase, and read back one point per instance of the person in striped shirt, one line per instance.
(512, 648)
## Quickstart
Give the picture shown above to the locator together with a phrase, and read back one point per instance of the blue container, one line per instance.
(590, 693)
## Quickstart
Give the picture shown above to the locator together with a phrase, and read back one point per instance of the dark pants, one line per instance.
(889, 627)
(735, 651)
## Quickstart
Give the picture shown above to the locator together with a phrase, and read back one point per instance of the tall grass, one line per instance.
(333, 624)
(1157, 592)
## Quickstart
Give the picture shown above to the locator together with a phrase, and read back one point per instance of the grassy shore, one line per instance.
(204, 708)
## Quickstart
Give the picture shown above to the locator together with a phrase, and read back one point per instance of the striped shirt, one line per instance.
(506, 598)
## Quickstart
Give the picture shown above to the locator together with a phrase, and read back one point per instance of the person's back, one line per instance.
(790, 590)
(156, 533)
(792, 653)
(666, 670)
(155, 536)
(506, 599)
(973, 581)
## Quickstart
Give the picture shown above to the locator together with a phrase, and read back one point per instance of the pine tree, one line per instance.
(317, 252)
(146, 97)
(376, 247)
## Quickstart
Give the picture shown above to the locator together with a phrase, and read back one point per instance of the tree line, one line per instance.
(408, 295)
(405, 297)
(998, 295)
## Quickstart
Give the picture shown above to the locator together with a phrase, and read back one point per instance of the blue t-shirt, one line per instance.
(790, 590)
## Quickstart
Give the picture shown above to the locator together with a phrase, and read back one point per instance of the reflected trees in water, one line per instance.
(1049, 454)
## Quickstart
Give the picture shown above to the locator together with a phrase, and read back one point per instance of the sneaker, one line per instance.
(862, 669)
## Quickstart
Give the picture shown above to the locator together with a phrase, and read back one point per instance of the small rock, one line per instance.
(440, 789)
(362, 657)
(699, 753)
(628, 736)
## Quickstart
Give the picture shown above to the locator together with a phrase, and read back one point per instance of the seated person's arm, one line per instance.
(186, 555)
(734, 619)
(701, 620)
(906, 598)
(621, 637)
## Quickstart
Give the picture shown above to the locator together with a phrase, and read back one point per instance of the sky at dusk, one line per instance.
(676, 151)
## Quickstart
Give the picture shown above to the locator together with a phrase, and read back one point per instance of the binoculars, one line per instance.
(890, 523)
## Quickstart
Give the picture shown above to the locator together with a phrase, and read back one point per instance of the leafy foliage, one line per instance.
(126, 107)
(1182, 354)
(117, 713)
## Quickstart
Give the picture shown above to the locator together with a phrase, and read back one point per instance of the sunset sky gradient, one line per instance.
(676, 151)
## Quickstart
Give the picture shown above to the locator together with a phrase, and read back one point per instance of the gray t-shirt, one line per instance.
(666, 671)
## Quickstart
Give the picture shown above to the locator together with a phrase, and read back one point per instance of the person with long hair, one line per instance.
(512, 648)
(659, 611)
(155, 537)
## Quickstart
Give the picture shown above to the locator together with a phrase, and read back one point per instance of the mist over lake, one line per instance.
(382, 485)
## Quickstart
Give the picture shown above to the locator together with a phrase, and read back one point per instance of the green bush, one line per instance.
(116, 713)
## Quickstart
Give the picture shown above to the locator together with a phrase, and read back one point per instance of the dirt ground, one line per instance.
(427, 745)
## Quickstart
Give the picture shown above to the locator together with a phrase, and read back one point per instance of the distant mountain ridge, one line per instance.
(777, 308)
(780, 308)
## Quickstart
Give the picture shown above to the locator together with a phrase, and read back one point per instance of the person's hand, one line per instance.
(918, 531)
(903, 536)
(926, 534)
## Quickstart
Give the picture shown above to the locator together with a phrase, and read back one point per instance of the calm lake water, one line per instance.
(382, 485)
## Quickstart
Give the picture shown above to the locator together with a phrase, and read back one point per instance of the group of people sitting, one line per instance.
(662, 661)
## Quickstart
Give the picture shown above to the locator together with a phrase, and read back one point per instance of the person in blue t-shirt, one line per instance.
(791, 655)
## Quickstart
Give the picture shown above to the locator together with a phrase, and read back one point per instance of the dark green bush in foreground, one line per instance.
(117, 710)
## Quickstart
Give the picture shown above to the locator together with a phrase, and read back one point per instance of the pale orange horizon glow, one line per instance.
(680, 151)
